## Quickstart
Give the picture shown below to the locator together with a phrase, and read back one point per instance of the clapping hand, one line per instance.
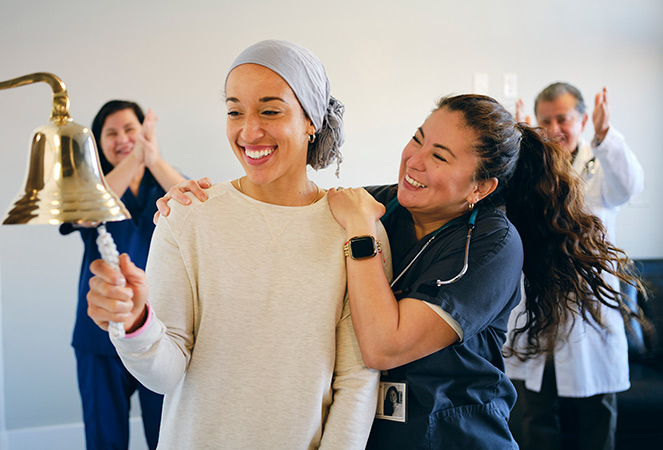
(147, 139)
(520, 114)
(601, 115)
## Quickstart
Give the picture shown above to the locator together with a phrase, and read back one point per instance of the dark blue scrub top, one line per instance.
(131, 236)
(458, 397)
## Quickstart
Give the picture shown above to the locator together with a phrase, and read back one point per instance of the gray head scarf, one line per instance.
(307, 78)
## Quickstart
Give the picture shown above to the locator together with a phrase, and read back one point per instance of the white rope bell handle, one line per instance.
(109, 253)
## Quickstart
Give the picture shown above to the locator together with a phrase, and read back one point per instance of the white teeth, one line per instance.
(253, 154)
(414, 182)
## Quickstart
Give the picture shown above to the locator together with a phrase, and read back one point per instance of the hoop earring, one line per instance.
(311, 138)
(471, 206)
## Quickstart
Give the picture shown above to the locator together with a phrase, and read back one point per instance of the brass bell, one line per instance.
(64, 181)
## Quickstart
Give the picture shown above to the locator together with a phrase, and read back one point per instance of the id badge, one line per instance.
(392, 401)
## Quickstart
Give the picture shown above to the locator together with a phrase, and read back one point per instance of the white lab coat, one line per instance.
(591, 361)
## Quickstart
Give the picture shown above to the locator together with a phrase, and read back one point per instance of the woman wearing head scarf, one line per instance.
(246, 298)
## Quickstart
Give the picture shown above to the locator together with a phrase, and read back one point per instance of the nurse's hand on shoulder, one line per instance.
(177, 193)
(354, 208)
(117, 296)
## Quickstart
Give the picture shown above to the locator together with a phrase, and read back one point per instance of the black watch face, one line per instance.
(362, 247)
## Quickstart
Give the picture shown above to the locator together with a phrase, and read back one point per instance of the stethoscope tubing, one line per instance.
(465, 264)
(391, 207)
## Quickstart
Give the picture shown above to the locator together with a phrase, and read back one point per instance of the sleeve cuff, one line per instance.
(453, 323)
(143, 327)
(612, 137)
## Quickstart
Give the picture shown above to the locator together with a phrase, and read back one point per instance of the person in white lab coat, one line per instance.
(589, 364)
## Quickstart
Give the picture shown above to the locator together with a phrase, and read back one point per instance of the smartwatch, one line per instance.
(360, 247)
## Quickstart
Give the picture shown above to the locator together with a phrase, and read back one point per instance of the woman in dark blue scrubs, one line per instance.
(133, 168)
(438, 330)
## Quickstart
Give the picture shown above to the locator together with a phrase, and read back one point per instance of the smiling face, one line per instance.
(266, 127)
(562, 121)
(436, 177)
(393, 396)
(118, 135)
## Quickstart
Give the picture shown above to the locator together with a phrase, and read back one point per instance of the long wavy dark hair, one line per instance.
(567, 255)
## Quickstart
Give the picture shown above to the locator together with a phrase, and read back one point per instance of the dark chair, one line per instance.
(640, 409)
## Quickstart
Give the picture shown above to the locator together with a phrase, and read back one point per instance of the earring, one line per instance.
(311, 138)
(471, 206)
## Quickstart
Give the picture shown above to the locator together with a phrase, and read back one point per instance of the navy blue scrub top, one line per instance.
(131, 236)
(458, 397)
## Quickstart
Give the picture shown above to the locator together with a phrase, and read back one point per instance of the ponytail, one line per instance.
(566, 252)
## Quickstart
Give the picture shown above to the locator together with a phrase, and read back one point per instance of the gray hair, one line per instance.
(307, 78)
(555, 90)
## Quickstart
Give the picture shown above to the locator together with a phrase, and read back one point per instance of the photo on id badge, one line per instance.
(391, 402)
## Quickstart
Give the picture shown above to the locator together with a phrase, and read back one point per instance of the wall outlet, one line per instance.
(481, 83)
(510, 85)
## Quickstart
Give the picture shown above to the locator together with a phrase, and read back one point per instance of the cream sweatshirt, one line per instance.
(250, 336)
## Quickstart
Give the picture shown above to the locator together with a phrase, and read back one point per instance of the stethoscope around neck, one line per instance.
(393, 205)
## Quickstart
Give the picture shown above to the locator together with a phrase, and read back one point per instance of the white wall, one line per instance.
(387, 60)
(3, 425)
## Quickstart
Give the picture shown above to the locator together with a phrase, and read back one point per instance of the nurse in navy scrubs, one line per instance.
(437, 330)
(133, 168)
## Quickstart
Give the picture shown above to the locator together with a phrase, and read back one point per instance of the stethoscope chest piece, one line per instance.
(589, 169)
